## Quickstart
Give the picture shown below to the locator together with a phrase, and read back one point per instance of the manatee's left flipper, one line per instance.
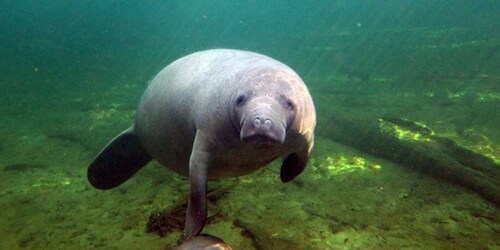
(293, 165)
(118, 161)
(196, 215)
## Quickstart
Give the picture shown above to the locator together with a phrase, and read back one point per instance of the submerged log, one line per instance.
(431, 154)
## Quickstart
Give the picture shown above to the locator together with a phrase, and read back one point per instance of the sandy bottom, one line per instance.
(344, 200)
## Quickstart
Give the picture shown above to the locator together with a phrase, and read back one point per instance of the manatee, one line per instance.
(214, 114)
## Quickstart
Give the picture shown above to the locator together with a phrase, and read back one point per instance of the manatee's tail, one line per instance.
(118, 161)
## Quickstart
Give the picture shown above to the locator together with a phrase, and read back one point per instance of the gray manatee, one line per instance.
(213, 114)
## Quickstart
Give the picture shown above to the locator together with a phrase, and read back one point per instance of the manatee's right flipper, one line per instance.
(118, 161)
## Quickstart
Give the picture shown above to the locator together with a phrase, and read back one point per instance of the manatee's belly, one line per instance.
(226, 162)
(242, 159)
(225, 169)
(231, 164)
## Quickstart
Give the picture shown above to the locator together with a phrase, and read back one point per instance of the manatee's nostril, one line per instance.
(257, 122)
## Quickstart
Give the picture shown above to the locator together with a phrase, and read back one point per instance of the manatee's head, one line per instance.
(204, 242)
(264, 108)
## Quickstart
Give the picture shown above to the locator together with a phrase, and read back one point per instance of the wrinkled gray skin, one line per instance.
(214, 114)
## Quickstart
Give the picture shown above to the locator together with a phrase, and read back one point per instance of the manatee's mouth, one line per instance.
(261, 141)
(262, 131)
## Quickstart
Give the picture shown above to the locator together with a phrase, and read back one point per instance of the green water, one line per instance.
(72, 72)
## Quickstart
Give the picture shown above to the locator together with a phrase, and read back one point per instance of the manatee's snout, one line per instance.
(262, 130)
(262, 123)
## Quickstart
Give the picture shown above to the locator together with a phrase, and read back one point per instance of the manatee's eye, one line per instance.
(289, 105)
(240, 100)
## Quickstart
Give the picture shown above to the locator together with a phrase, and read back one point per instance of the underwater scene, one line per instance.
(406, 144)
